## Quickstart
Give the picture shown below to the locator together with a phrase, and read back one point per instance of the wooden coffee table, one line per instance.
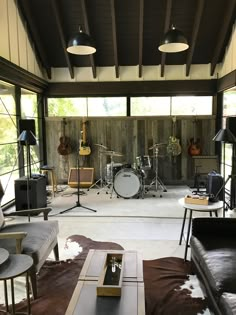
(132, 300)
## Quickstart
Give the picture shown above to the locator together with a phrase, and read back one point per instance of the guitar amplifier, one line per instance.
(85, 175)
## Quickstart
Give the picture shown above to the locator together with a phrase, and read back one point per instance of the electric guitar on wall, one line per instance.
(173, 147)
(64, 147)
(84, 148)
(194, 147)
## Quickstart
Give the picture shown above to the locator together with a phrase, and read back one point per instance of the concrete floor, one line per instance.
(150, 225)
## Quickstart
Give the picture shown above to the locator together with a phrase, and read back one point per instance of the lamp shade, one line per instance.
(224, 135)
(27, 137)
(173, 41)
(81, 44)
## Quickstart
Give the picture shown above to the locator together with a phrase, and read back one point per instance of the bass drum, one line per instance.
(127, 183)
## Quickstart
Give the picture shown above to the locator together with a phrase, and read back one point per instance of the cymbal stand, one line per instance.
(109, 181)
(100, 180)
(156, 180)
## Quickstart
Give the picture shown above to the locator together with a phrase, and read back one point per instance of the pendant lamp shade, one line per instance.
(173, 41)
(224, 135)
(81, 44)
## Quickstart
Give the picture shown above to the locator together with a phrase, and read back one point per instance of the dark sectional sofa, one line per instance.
(213, 256)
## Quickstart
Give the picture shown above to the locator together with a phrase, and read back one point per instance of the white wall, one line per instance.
(14, 41)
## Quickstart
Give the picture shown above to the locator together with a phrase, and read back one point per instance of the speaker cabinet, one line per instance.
(231, 124)
(37, 193)
(27, 124)
(85, 174)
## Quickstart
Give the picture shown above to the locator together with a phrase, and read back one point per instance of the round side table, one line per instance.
(211, 207)
(10, 268)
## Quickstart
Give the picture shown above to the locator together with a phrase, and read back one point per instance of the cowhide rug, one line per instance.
(170, 289)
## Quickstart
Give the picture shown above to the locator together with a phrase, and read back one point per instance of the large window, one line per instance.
(92, 106)
(11, 152)
(139, 106)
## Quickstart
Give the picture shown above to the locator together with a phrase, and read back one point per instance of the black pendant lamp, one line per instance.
(173, 41)
(81, 44)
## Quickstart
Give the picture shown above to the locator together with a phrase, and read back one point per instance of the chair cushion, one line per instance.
(39, 239)
(228, 303)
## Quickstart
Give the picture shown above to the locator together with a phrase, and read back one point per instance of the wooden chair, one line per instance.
(36, 239)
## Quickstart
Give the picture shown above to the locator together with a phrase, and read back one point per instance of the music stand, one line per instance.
(78, 204)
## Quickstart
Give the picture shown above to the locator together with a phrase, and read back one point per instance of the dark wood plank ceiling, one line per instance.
(127, 32)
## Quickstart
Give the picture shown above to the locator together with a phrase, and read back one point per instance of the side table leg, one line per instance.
(13, 297)
(28, 293)
(183, 224)
(188, 234)
(6, 296)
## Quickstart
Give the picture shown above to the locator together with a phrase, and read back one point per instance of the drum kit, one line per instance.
(123, 179)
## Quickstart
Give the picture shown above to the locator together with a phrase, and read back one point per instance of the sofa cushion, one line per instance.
(38, 241)
(227, 303)
(217, 259)
(2, 221)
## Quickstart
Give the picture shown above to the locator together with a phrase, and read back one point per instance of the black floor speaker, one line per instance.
(37, 193)
(86, 176)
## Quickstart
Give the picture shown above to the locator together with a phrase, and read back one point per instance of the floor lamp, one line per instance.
(224, 136)
(27, 138)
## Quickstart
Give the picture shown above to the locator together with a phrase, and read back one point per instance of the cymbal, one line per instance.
(112, 153)
(156, 145)
(101, 145)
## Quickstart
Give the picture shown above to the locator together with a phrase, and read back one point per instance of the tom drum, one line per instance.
(127, 183)
(109, 174)
(143, 162)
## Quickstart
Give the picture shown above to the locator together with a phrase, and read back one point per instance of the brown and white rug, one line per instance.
(170, 289)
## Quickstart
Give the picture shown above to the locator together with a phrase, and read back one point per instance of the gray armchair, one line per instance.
(36, 239)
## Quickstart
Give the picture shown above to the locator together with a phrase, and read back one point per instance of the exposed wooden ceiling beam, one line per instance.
(35, 38)
(226, 18)
(166, 27)
(140, 49)
(62, 36)
(196, 25)
(114, 37)
(86, 25)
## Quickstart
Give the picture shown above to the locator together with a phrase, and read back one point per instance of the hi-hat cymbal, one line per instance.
(101, 145)
(156, 145)
(112, 153)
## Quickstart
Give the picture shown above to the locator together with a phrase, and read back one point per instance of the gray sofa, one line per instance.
(213, 256)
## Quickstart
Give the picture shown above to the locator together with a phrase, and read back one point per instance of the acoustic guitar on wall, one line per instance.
(174, 147)
(84, 148)
(64, 147)
(194, 147)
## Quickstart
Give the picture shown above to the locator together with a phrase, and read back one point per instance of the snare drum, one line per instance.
(127, 183)
(143, 162)
(116, 168)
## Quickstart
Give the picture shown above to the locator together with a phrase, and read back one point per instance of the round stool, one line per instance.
(50, 170)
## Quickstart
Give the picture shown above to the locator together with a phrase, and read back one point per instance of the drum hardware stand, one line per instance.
(156, 180)
(100, 180)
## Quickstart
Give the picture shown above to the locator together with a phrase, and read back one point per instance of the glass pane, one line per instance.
(107, 106)
(229, 101)
(150, 106)
(63, 107)
(34, 158)
(28, 104)
(7, 102)
(191, 105)
(8, 130)
(8, 184)
(8, 157)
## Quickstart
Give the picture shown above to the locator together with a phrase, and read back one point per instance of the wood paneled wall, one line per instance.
(132, 137)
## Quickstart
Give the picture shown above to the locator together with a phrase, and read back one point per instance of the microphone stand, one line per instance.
(78, 204)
